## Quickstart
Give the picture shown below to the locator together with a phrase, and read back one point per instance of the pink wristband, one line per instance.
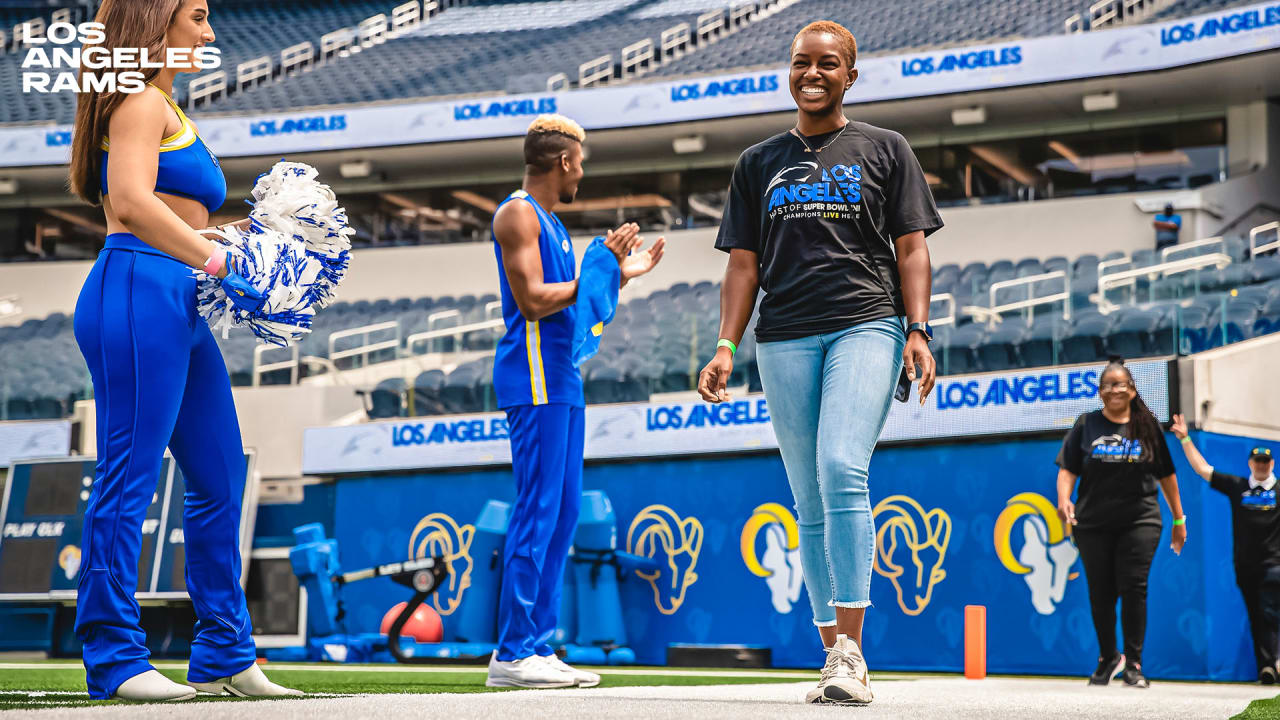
(215, 262)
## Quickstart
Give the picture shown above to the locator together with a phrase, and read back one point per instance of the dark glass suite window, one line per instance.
(1160, 157)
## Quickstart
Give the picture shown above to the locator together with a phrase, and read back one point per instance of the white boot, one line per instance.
(151, 686)
(249, 682)
(530, 672)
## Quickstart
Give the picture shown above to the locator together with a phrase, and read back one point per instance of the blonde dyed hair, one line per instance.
(548, 139)
(557, 124)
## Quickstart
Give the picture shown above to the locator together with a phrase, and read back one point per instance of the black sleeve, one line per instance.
(1229, 485)
(910, 202)
(740, 227)
(1163, 460)
(1071, 456)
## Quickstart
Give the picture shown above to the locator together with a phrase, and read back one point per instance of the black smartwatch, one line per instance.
(922, 328)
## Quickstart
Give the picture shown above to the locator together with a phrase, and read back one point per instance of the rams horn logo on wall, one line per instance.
(438, 535)
(910, 547)
(779, 565)
(69, 561)
(659, 533)
(1047, 553)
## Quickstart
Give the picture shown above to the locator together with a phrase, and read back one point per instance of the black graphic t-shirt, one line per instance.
(1117, 488)
(812, 243)
(1255, 524)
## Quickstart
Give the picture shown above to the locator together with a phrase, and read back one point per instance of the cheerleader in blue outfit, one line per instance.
(158, 376)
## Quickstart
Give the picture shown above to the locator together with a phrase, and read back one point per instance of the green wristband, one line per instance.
(1185, 440)
(733, 349)
(1181, 521)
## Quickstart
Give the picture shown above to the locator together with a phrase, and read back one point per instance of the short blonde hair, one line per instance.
(549, 137)
(557, 124)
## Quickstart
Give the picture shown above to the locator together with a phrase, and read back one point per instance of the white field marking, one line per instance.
(447, 669)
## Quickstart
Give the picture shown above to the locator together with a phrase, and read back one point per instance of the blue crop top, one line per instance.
(187, 167)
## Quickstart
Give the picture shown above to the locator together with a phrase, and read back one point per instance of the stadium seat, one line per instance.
(1084, 343)
(998, 350)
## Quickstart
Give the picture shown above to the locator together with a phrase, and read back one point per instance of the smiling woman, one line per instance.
(158, 375)
(830, 221)
(1120, 456)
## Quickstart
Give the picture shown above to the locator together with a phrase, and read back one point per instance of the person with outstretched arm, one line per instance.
(1255, 534)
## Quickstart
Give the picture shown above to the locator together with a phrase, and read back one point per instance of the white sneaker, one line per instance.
(530, 672)
(151, 686)
(583, 678)
(250, 682)
(844, 677)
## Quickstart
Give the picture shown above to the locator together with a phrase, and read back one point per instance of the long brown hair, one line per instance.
(127, 24)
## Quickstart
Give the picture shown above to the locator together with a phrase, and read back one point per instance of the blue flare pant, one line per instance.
(159, 381)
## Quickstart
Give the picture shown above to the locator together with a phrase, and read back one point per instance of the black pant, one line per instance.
(1116, 564)
(1260, 587)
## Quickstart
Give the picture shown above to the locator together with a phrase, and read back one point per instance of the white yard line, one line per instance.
(448, 669)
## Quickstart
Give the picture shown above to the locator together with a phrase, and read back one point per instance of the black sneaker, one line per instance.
(1134, 678)
(1106, 670)
(1267, 676)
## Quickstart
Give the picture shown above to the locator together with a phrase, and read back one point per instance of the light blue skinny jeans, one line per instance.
(829, 396)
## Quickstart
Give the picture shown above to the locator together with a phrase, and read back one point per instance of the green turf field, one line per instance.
(61, 684)
(1261, 710)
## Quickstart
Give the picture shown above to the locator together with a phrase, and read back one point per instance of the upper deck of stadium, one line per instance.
(289, 54)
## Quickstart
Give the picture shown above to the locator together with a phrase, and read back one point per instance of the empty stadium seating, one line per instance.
(493, 46)
(658, 343)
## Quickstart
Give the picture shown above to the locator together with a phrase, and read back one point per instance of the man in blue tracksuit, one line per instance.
(540, 388)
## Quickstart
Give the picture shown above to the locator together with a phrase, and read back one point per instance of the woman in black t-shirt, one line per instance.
(829, 220)
(1120, 456)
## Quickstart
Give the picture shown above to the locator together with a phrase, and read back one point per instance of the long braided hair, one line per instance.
(1143, 425)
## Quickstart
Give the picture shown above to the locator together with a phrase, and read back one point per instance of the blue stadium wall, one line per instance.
(1197, 627)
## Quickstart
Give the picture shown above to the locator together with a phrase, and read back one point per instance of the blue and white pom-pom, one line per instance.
(295, 252)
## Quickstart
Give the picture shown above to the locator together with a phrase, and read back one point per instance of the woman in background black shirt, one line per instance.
(1120, 455)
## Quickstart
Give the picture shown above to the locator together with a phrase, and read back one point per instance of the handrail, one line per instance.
(405, 17)
(558, 82)
(253, 72)
(372, 31)
(595, 72)
(637, 58)
(1268, 207)
(1128, 277)
(1165, 253)
(336, 43)
(674, 42)
(259, 368)
(206, 87)
(1029, 304)
(1255, 232)
(1105, 265)
(297, 57)
(710, 26)
(363, 350)
(1103, 13)
(489, 309)
(950, 317)
(456, 332)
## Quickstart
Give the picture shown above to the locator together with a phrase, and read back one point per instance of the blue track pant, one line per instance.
(159, 380)
(546, 456)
